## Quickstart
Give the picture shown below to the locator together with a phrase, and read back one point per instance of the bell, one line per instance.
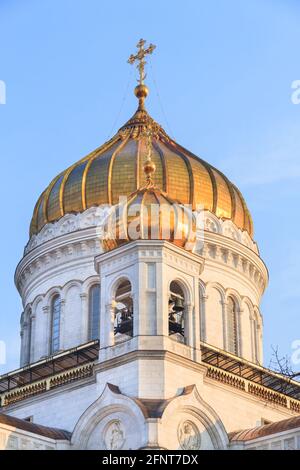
(178, 307)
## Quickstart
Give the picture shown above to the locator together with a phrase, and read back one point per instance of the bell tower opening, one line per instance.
(123, 325)
(176, 312)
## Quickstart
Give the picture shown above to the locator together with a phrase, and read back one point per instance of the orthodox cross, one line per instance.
(140, 58)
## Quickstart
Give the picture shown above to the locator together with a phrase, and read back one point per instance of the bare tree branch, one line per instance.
(282, 365)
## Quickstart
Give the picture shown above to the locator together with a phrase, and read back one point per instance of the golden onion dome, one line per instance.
(116, 169)
(149, 214)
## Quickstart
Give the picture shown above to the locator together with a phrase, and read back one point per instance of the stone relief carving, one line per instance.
(114, 436)
(12, 443)
(189, 436)
(93, 217)
(96, 217)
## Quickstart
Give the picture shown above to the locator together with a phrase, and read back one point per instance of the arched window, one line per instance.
(55, 324)
(123, 311)
(232, 329)
(94, 312)
(176, 311)
(255, 327)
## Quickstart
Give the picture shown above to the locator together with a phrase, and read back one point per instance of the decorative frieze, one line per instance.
(295, 406)
(71, 375)
(44, 385)
(251, 267)
(32, 268)
(267, 395)
(93, 217)
(96, 216)
(23, 392)
(257, 390)
(226, 378)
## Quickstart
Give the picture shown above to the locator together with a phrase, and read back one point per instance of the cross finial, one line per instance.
(140, 58)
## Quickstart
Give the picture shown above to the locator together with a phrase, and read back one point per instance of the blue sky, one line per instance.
(220, 84)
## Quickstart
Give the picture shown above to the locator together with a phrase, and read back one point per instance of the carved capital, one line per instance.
(203, 298)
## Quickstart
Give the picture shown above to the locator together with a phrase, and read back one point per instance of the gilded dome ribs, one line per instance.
(209, 171)
(83, 186)
(62, 188)
(163, 164)
(214, 185)
(231, 192)
(34, 221)
(92, 158)
(173, 147)
(110, 169)
(248, 224)
(46, 197)
(116, 168)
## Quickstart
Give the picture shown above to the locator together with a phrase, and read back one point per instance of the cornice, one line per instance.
(75, 240)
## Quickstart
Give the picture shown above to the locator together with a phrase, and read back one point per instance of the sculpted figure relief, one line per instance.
(114, 436)
(189, 436)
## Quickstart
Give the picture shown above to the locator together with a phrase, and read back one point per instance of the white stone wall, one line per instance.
(16, 439)
(60, 260)
(162, 374)
(60, 408)
(287, 440)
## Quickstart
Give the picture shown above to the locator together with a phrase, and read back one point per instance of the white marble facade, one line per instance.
(148, 389)
(60, 261)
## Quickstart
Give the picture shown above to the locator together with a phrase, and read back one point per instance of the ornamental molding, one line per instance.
(80, 248)
(96, 216)
(93, 217)
(259, 391)
(228, 229)
(69, 252)
(221, 251)
(49, 383)
(149, 251)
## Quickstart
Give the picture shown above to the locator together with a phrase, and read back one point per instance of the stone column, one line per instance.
(225, 326)
(32, 343)
(22, 347)
(107, 337)
(259, 344)
(84, 318)
(239, 312)
(22, 336)
(202, 311)
(162, 299)
(62, 325)
(110, 324)
(252, 337)
(136, 315)
(25, 344)
(47, 331)
(188, 325)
